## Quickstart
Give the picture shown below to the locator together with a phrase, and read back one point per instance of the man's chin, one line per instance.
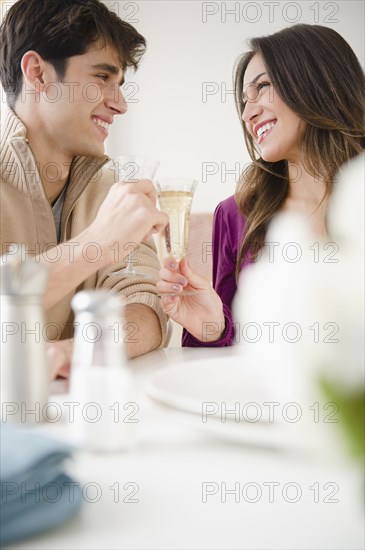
(91, 152)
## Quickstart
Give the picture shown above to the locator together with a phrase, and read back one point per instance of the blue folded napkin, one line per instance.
(35, 493)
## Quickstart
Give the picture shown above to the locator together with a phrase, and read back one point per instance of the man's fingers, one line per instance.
(58, 361)
(143, 186)
(59, 358)
(159, 221)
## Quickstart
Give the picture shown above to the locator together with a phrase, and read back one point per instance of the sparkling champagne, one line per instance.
(177, 205)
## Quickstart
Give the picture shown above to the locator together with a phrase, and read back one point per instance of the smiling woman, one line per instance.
(265, 110)
(301, 123)
(319, 120)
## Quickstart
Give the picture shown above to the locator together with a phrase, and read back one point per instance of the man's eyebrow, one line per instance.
(112, 69)
(252, 82)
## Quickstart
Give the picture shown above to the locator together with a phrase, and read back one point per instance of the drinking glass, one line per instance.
(175, 197)
(131, 168)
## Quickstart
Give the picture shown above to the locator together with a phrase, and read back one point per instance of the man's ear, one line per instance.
(33, 67)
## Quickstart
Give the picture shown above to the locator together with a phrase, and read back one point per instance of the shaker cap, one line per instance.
(98, 302)
(21, 275)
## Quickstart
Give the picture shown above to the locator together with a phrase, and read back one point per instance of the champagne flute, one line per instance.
(131, 168)
(175, 197)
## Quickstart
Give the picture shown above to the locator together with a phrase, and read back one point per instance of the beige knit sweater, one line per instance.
(26, 217)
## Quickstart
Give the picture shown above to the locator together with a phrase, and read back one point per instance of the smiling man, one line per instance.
(62, 63)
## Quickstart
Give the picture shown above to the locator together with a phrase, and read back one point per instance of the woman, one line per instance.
(301, 97)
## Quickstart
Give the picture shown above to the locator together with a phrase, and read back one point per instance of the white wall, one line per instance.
(168, 117)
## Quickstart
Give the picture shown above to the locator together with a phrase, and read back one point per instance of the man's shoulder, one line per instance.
(11, 127)
(13, 155)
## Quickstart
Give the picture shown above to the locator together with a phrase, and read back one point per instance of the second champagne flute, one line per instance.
(131, 168)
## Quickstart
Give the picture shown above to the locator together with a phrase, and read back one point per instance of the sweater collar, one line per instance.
(15, 153)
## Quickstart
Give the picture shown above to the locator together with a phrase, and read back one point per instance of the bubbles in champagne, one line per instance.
(177, 205)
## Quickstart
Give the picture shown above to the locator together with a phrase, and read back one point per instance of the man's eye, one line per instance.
(103, 77)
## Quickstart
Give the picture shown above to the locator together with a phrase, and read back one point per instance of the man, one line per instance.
(62, 63)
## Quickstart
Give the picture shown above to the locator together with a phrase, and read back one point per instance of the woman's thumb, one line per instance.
(184, 267)
(193, 278)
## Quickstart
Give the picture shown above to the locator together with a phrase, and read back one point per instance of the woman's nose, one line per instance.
(251, 110)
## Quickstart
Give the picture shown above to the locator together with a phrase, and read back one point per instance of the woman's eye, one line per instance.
(252, 92)
(262, 85)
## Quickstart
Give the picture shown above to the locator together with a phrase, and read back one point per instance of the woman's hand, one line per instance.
(202, 313)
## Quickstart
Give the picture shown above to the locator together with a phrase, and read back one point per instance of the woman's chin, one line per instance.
(268, 156)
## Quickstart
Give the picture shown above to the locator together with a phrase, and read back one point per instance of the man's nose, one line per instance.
(115, 101)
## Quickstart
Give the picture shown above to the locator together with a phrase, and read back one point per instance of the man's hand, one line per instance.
(128, 214)
(59, 356)
(146, 337)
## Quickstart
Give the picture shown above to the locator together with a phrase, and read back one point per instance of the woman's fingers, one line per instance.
(171, 263)
(165, 287)
(172, 276)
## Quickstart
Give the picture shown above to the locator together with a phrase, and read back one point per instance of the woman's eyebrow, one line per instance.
(250, 83)
(254, 80)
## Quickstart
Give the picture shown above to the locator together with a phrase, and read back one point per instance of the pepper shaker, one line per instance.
(101, 383)
(24, 369)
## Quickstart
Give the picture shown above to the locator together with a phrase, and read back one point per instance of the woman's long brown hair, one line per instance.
(317, 74)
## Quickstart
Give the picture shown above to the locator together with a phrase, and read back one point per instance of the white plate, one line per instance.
(237, 398)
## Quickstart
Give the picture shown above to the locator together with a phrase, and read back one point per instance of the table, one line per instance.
(185, 489)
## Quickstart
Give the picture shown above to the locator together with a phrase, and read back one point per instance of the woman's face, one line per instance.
(276, 130)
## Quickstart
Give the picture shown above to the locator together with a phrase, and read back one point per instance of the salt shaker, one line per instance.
(24, 371)
(101, 383)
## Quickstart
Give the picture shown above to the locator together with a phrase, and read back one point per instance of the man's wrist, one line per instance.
(104, 253)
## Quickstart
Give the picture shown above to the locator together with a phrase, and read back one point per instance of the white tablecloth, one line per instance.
(181, 488)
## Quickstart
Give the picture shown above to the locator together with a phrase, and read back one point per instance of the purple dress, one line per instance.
(228, 228)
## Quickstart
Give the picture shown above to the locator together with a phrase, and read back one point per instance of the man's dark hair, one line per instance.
(58, 30)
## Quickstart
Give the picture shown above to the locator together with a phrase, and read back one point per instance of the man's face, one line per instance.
(76, 113)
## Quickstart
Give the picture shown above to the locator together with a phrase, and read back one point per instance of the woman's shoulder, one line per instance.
(229, 212)
(228, 206)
